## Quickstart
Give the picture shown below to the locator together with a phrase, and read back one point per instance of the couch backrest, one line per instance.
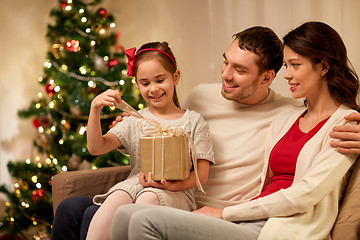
(347, 225)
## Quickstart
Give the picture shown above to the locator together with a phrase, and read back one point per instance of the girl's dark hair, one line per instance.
(166, 62)
(318, 41)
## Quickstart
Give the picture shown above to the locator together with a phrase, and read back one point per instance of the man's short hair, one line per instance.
(265, 43)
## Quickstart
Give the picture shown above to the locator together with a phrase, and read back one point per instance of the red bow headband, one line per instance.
(130, 54)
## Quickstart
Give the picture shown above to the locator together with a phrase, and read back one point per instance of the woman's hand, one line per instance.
(348, 135)
(108, 98)
(210, 211)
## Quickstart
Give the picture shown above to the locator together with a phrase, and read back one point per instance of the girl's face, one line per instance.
(305, 79)
(156, 84)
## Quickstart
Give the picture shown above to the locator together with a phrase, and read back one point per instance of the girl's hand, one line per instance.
(108, 98)
(163, 184)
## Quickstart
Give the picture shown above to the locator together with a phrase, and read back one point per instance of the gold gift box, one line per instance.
(167, 157)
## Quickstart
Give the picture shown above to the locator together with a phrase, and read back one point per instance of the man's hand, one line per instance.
(210, 211)
(118, 119)
(349, 136)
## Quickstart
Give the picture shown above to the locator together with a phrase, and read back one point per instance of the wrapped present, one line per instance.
(165, 156)
(166, 153)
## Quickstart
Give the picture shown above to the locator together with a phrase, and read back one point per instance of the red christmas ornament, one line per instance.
(112, 63)
(72, 46)
(49, 89)
(36, 122)
(63, 4)
(102, 12)
(36, 194)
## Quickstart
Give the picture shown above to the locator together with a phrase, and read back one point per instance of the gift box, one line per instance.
(166, 157)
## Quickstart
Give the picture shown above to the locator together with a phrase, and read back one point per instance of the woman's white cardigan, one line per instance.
(307, 209)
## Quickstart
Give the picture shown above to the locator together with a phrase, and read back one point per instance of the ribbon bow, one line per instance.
(151, 128)
(130, 54)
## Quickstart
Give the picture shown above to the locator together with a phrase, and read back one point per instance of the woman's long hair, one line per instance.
(318, 41)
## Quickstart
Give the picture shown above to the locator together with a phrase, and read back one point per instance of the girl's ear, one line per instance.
(176, 77)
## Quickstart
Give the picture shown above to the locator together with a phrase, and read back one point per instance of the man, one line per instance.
(238, 114)
(238, 119)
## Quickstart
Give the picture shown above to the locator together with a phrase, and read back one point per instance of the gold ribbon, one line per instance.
(152, 128)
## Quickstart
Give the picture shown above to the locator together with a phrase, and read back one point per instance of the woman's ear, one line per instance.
(325, 63)
(176, 77)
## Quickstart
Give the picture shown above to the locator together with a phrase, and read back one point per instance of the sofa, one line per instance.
(91, 182)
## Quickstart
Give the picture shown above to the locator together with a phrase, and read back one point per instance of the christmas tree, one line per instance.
(84, 59)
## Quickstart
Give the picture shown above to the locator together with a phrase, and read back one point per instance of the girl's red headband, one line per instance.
(130, 54)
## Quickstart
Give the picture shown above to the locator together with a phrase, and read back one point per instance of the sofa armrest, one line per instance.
(347, 225)
(86, 182)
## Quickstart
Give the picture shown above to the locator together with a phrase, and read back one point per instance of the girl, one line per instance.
(303, 178)
(154, 68)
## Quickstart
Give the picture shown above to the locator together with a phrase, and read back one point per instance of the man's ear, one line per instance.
(176, 77)
(325, 63)
(268, 76)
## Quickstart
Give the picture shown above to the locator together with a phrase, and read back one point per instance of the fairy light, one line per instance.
(16, 185)
(41, 129)
(83, 19)
(12, 219)
(121, 82)
(39, 165)
(141, 106)
(52, 104)
(81, 10)
(17, 192)
(68, 8)
(48, 160)
(88, 30)
(7, 204)
(38, 185)
(92, 73)
(93, 167)
(55, 161)
(91, 84)
(106, 58)
(28, 161)
(40, 79)
(112, 25)
(82, 130)
(61, 141)
(102, 31)
(38, 105)
(56, 88)
(71, 137)
(83, 149)
(34, 179)
(47, 64)
(133, 81)
(64, 168)
(124, 72)
(39, 95)
(64, 67)
(34, 223)
(69, 1)
(37, 158)
(53, 128)
(82, 70)
(137, 91)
